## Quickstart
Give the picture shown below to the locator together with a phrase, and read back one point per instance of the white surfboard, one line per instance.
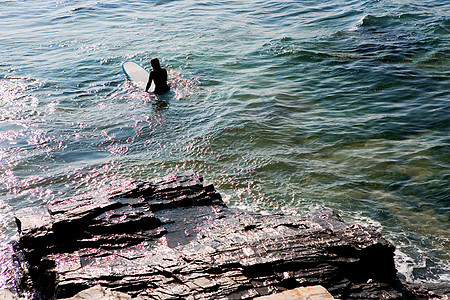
(137, 74)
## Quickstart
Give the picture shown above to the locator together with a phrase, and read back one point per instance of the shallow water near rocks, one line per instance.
(285, 106)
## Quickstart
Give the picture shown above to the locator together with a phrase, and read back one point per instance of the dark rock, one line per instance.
(99, 293)
(174, 238)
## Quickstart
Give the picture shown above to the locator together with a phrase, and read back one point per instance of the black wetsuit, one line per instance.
(160, 79)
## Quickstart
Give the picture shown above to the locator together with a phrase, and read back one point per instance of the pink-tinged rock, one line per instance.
(174, 238)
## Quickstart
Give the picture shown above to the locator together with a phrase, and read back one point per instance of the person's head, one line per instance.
(155, 64)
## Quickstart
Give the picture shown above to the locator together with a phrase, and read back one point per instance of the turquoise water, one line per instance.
(286, 106)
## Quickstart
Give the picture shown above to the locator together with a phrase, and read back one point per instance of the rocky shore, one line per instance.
(174, 238)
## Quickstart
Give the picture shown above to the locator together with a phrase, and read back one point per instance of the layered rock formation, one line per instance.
(174, 238)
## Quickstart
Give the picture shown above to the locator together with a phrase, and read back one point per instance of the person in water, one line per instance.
(159, 77)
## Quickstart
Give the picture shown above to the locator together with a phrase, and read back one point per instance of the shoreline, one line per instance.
(174, 237)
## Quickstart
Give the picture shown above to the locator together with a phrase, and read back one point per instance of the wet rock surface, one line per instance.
(174, 238)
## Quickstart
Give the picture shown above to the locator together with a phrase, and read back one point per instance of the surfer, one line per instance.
(159, 77)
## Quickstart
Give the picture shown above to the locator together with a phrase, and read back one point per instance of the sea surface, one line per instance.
(285, 106)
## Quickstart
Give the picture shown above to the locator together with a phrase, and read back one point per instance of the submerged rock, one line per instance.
(174, 238)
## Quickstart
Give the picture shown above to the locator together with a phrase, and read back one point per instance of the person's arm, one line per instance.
(150, 78)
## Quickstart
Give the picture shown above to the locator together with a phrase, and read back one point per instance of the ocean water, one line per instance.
(286, 106)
